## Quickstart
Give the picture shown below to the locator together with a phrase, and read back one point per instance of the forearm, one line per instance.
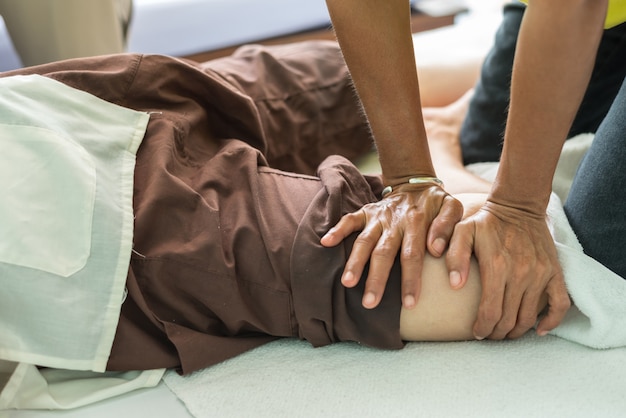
(375, 37)
(554, 59)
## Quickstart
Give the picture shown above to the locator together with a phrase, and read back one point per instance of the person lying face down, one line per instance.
(235, 183)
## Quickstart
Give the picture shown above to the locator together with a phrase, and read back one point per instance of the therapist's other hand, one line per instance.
(518, 263)
(407, 221)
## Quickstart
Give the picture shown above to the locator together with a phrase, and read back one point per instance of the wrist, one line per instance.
(518, 190)
(427, 180)
(535, 209)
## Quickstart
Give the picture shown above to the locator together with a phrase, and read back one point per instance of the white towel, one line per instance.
(529, 377)
(598, 318)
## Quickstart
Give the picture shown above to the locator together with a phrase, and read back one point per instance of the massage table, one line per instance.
(532, 376)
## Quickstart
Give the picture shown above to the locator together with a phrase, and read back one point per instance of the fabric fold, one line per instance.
(326, 311)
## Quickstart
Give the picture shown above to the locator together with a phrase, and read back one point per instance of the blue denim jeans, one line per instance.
(596, 205)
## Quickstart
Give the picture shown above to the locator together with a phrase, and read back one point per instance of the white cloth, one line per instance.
(24, 386)
(66, 221)
(66, 180)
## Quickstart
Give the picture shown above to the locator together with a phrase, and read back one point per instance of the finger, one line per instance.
(527, 316)
(459, 254)
(511, 308)
(352, 222)
(381, 262)
(558, 304)
(412, 261)
(533, 301)
(492, 299)
(360, 255)
(443, 225)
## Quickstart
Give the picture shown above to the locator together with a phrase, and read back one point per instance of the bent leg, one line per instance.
(596, 203)
(305, 101)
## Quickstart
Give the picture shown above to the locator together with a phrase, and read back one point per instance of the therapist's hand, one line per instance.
(518, 263)
(409, 219)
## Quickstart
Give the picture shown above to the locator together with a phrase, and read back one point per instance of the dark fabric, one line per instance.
(316, 270)
(304, 101)
(226, 243)
(596, 204)
(606, 80)
(483, 128)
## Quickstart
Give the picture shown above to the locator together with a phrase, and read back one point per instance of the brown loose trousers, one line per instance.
(239, 175)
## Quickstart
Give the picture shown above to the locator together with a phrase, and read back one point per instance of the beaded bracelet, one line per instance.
(414, 180)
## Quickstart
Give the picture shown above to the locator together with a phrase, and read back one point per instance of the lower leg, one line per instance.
(443, 125)
(596, 204)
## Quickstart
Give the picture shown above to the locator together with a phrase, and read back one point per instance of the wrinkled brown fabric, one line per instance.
(233, 190)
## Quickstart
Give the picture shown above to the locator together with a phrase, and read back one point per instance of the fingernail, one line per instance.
(542, 332)
(348, 278)
(369, 299)
(409, 301)
(455, 278)
(479, 338)
(439, 245)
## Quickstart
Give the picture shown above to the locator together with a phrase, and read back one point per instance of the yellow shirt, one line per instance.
(616, 13)
(614, 16)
